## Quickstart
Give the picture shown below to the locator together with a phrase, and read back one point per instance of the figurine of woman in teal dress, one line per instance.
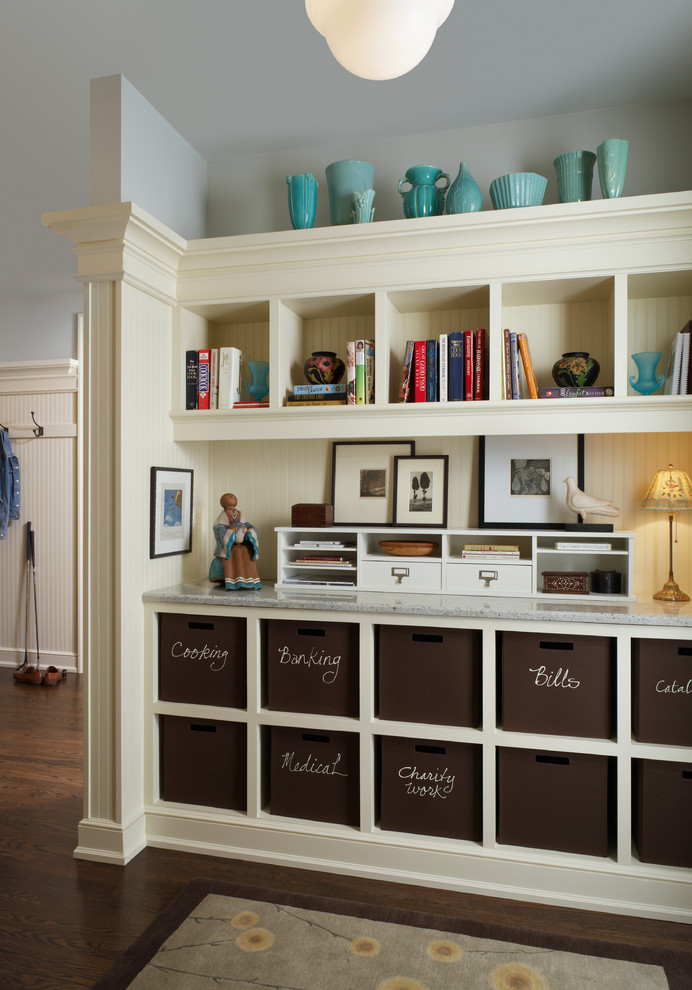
(237, 547)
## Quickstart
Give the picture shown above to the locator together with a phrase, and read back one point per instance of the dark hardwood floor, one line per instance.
(63, 921)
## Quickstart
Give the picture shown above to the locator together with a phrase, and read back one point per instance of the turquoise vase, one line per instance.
(648, 381)
(574, 176)
(302, 200)
(612, 158)
(343, 179)
(258, 386)
(425, 198)
(464, 194)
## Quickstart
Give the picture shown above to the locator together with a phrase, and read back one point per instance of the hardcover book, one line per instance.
(479, 365)
(369, 372)
(405, 390)
(204, 379)
(443, 368)
(419, 371)
(191, 366)
(523, 343)
(360, 372)
(469, 354)
(229, 376)
(336, 389)
(351, 372)
(575, 392)
(431, 371)
(455, 342)
(507, 363)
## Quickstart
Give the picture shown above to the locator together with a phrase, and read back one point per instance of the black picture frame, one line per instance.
(354, 463)
(501, 503)
(170, 511)
(429, 508)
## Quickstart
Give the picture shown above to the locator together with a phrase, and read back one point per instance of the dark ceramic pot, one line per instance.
(323, 368)
(576, 369)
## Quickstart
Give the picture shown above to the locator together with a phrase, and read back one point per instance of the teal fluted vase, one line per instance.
(425, 198)
(258, 386)
(648, 381)
(302, 200)
(464, 194)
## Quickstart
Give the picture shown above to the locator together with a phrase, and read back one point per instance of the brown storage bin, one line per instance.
(203, 762)
(202, 660)
(312, 667)
(662, 691)
(315, 775)
(429, 675)
(555, 684)
(662, 795)
(553, 801)
(431, 788)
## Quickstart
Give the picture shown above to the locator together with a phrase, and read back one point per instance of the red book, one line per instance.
(204, 380)
(420, 371)
(479, 366)
(468, 365)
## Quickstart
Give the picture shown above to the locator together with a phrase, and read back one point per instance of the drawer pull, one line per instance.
(487, 576)
(399, 573)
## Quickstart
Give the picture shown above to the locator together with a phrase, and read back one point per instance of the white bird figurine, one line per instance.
(581, 503)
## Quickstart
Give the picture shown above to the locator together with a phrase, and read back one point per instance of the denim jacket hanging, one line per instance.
(9, 483)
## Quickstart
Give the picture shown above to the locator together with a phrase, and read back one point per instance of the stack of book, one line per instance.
(448, 368)
(360, 372)
(679, 372)
(212, 379)
(489, 551)
(317, 395)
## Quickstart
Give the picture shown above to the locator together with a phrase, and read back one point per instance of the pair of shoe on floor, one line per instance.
(33, 675)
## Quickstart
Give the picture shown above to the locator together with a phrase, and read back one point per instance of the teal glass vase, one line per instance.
(647, 380)
(258, 386)
(302, 200)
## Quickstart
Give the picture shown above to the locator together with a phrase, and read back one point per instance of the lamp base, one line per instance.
(670, 592)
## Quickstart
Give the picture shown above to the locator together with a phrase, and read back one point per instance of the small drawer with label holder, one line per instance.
(489, 578)
(402, 574)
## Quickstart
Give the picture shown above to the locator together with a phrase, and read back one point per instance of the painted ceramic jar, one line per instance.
(576, 369)
(323, 368)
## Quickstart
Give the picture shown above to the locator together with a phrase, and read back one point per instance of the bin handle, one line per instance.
(546, 645)
(561, 760)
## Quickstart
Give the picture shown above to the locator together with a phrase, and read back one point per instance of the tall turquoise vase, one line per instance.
(647, 381)
(612, 158)
(464, 194)
(425, 198)
(343, 179)
(302, 200)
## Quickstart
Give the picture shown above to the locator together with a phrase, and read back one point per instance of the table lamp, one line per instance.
(671, 492)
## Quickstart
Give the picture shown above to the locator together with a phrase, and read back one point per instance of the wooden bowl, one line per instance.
(407, 548)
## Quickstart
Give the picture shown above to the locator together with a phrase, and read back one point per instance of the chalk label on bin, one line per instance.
(674, 688)
(553, 679)
(315, 658)
(217, 658)
(311, 765)
(426, 783)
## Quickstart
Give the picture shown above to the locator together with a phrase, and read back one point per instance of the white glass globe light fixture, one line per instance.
(378, 39)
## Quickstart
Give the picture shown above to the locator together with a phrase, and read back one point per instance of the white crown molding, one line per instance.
(27, 377)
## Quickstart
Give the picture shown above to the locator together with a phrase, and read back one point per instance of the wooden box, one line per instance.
(312, 514)
(566, 582)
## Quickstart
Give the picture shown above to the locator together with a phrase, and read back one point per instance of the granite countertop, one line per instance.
(645, 613)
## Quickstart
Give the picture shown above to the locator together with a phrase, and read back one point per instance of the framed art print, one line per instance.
(420, 490)
(521, 480)
(170, 528)
(362, 480)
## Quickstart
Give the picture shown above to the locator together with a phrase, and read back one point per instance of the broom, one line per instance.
(29, 542)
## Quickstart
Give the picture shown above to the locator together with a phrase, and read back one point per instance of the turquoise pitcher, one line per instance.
(425, 198)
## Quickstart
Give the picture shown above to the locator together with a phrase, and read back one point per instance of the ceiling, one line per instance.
(244, 77)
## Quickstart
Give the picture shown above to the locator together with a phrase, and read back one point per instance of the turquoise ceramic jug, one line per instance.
(425, 198)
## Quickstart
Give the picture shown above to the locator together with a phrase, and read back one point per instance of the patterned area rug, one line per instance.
(220, 935)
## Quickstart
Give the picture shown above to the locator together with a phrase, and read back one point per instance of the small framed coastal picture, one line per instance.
(170, 527)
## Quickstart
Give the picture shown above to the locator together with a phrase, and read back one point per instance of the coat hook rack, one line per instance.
(38, 430)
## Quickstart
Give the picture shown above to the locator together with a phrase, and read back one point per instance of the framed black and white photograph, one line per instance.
(420, 490)
(170, 529)
(362, 480)
(521, 480)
